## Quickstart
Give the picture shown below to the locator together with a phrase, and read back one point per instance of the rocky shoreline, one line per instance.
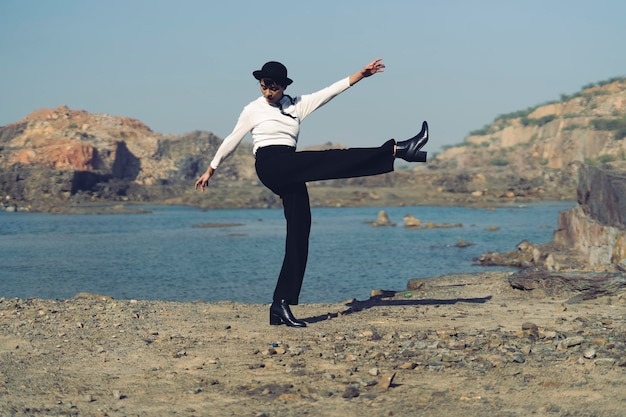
(458, 344)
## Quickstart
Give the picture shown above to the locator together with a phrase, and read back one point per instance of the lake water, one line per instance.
(163, 255)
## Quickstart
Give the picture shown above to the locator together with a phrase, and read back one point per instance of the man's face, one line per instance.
(272, 91)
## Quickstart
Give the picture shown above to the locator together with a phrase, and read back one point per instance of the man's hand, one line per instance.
(203, 181)
(373, 68)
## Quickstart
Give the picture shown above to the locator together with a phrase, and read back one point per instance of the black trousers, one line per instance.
(285, 172)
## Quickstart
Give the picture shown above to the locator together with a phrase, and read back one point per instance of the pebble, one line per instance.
(590, 353)
(605, 362)
(386, 380)
(571, 342)
(530, 329)
(548, 334)
(518, 358)
(450, 357)
(351, 392)
(457, 345)
(408, 365)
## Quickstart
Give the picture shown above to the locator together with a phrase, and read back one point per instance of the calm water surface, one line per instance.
(161, 255)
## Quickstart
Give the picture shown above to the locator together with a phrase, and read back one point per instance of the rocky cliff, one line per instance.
(57, 156)
(542, 146)
(596, 227)
(589, 237)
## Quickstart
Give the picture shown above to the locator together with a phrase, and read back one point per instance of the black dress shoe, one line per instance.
(409, 149)
(280, 313)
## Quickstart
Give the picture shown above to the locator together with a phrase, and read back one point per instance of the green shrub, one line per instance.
(485, 130)
(609, 124)
(458, 145)
(612, 125)
(499, 162)
(588, 95)
(516, 114)
(537, 122)
(611, 80)
(546, 119)
(602, 83)
(603, 159)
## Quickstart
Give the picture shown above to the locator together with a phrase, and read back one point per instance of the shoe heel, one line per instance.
(275, 320)
(422, 136)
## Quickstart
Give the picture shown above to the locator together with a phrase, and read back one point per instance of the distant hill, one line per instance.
(55, 159)
(587, 127)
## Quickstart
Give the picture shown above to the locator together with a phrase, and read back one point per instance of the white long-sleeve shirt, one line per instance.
(269, 126)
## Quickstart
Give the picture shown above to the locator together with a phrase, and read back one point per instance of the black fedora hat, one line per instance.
(275, 71)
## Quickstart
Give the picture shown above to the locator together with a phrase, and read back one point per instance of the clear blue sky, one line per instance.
(184, 65)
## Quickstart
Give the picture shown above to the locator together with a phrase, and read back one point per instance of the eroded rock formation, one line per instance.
(596, 227)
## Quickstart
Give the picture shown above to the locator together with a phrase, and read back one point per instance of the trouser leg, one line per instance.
(286, 172)
(298, 217)
(279, 166)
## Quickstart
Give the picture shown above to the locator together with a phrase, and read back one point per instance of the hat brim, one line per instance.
(259, 74)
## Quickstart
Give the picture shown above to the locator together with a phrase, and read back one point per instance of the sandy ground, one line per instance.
(461, 345)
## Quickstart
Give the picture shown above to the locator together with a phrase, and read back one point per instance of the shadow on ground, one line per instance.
(382, 301)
